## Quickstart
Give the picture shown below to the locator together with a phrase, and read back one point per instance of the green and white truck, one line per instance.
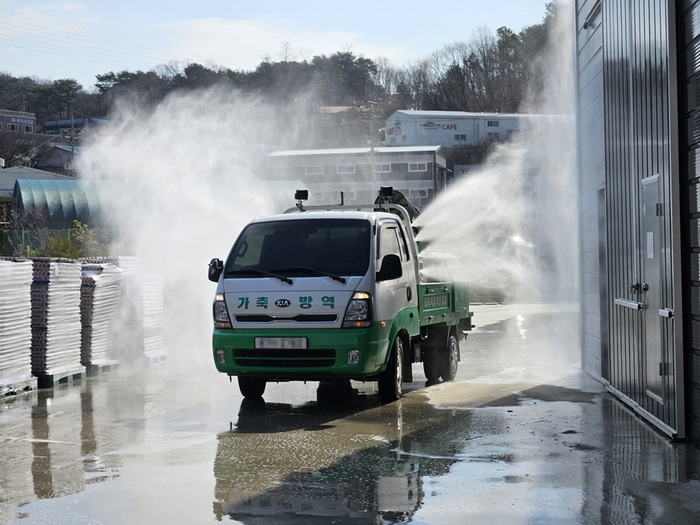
(338, 292)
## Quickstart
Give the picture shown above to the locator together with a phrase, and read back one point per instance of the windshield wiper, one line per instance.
(255, 271)
(333, 276)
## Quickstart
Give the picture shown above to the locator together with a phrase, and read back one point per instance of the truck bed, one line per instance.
(443, 302)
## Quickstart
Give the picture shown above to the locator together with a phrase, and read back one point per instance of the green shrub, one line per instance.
(79, 241)
(61, 246)
(86, 241)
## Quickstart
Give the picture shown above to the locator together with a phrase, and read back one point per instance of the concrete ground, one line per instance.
(577, 454)
(521, 436)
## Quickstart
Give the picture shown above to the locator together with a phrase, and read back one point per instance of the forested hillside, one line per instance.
(489, 72)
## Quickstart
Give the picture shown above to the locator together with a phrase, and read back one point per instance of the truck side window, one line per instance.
(405, 254)
(389, 241)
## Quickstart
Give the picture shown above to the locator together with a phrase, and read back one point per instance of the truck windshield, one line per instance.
(295, 248)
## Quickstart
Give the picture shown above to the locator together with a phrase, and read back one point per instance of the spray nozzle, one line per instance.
(301, 196)
(386, 193)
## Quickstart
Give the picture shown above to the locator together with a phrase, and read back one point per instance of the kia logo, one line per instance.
(282, 303)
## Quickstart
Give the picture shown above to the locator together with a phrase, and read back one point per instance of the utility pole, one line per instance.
(72, 142)
(371, 143)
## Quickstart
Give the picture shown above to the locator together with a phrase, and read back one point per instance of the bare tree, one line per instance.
(420, 85)
(385, 76)
(25, 149)
(169, 71)
(29, 232)
(305, 54)
(286, 54)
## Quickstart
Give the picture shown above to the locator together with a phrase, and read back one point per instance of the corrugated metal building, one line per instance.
(8, 177)
(56, 127)
(638, 67)
(418, 172)
(60, 202)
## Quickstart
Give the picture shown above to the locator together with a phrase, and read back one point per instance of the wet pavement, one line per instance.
(521, 437)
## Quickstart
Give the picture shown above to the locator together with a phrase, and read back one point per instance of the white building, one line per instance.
(418, 172)
(452, 128)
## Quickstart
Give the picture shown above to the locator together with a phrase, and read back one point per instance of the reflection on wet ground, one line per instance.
(367, 464)
(520, 437)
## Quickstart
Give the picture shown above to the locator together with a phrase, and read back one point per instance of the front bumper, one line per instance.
(325, 358)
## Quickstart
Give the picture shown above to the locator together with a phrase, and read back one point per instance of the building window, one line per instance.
(282, 171)
(493, 136)
(314, 170)
(382, 168)
(344, 170)
(0, 126)
(460, 138)
(417, 166)
(12, 127)
(492, 123)
(28, 129)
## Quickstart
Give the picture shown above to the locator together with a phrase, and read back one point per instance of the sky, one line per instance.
(54, 40)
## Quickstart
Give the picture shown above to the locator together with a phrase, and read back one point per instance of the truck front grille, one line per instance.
(284, 358)
(301, 318)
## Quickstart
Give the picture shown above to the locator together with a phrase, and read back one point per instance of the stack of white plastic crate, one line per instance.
(15, 326)
(153, 342)
(56, 323)
(137, 327)
(128, 325)
(99, 296)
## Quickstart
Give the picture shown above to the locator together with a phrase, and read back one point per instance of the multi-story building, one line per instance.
(17, 121)
(452, 129)
(419, 172)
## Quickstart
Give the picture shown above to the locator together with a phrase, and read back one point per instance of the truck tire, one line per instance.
(449, 359)
(251, 387)
(391, 380)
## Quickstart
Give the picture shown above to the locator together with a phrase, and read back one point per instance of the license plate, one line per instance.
(291, 343)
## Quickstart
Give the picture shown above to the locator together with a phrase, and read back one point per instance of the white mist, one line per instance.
(513, 224)
(183, 181)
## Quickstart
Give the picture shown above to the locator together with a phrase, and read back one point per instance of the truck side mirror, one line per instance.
(390, 268)
(216, 266)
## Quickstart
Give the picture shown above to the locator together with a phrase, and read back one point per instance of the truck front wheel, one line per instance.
(391, 380)
(251, 387)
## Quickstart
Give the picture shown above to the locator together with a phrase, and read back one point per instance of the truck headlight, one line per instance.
(221, 318)
(359, 311)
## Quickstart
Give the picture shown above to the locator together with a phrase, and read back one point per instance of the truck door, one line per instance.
(395, 295)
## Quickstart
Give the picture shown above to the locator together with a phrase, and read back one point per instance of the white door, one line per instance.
(396, 294)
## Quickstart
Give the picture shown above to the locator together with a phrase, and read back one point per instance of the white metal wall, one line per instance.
(591, 157)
